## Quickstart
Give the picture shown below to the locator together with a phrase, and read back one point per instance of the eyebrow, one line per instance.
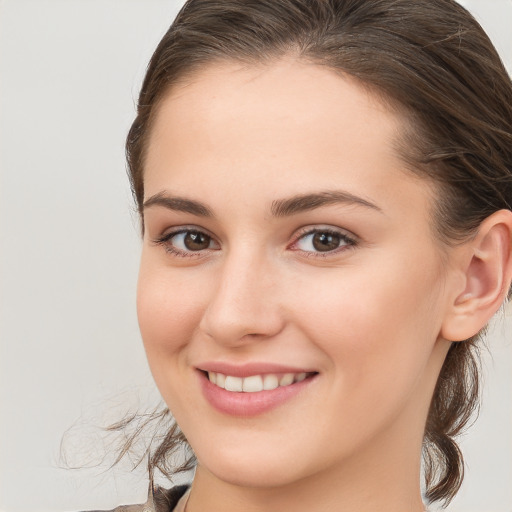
(305, 202)
(279, 207)
(179, 204)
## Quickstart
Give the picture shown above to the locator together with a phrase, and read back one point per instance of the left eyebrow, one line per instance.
(305, 202)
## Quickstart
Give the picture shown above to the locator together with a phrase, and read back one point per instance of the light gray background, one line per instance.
(70, 348)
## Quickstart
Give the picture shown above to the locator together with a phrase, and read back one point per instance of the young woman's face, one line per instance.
(285, 245)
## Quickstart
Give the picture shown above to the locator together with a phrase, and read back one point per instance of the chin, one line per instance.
(263, 473)
(253, 459)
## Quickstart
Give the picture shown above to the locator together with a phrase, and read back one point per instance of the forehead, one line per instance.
(275, 130)
(289, 93)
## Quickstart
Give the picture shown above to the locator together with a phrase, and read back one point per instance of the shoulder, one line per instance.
(166, 499)
(160, 500)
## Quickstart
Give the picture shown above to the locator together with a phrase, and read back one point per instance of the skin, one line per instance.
(368, 316)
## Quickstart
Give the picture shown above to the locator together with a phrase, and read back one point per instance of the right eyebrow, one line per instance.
(178, 204)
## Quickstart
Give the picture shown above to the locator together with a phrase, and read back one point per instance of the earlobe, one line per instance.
(487, 267)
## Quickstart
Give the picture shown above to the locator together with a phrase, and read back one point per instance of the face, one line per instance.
(285, 245)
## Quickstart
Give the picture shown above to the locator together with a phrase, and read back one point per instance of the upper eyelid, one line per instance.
(306, 230)
(184, 229)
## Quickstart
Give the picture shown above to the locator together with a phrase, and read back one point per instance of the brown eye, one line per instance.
(326, 241)
(323, 241)
(195, 241)
(187, 243)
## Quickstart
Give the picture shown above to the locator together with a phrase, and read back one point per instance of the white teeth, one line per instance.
(221, 380)
(254, 383)
(286, 379)
(234, 383)
(270, 382)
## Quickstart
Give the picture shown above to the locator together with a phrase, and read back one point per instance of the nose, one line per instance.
(244, 305)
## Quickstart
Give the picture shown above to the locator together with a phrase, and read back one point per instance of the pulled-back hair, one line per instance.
(427, 59)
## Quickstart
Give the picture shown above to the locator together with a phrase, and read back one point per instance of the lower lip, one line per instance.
(250, 404)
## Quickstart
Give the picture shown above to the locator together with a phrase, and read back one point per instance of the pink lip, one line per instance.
(250, 404)
(248, 369)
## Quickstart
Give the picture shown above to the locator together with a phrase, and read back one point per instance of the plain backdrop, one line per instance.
(71, 355)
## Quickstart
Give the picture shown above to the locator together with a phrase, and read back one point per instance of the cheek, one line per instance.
(377, 327)
(169, 310)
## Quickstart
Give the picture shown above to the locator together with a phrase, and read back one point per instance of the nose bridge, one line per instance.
(244, 302)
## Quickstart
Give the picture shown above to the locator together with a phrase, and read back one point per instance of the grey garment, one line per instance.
(159, 500)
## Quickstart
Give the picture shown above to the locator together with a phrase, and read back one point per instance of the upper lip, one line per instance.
(248, 369)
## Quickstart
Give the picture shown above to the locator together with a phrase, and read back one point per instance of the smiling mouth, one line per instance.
(249, 393)
(256, 383)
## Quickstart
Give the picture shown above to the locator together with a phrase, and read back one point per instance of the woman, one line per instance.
(325, 190)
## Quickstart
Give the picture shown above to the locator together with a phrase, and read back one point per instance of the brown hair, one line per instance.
(428, 58)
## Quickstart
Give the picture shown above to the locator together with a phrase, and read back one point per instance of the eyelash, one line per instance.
(349, 242)
(165, 240)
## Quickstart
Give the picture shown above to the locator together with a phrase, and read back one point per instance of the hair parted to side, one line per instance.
(431, 61)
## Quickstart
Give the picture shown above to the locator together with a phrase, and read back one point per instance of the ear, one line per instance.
(486, 262)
